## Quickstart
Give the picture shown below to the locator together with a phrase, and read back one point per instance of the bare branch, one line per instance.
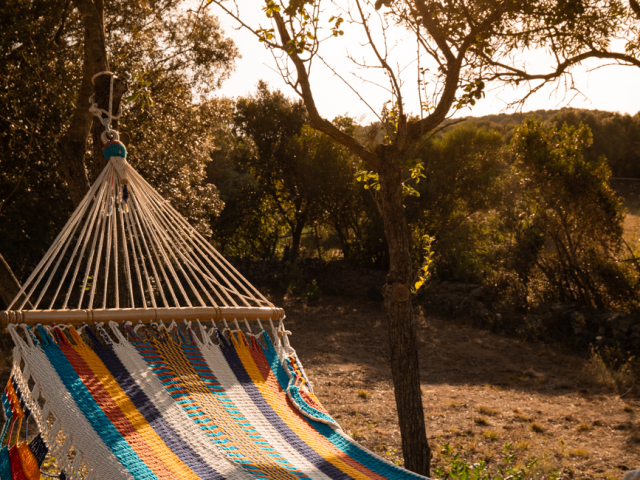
(382, 60)
(350, 86)
(316, 120)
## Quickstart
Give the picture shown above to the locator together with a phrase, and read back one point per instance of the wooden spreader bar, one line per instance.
(146, 315)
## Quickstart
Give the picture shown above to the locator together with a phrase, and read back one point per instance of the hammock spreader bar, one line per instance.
(144, 315)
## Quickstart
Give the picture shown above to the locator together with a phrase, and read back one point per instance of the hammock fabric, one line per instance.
(157, 402)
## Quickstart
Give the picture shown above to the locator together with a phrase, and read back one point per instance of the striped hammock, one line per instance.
(171, 402)
(117, 401)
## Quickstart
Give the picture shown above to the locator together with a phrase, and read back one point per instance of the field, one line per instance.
(480, 391)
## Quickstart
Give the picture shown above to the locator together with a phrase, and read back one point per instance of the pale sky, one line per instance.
(612, 88)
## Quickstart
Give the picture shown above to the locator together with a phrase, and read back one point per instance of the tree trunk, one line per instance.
(296, 235)
(72, 145)
(402, 329)
(9, 285)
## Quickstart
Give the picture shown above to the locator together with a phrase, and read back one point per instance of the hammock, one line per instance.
(114, 392)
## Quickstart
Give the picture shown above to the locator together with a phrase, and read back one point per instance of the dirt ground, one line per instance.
(480, 391)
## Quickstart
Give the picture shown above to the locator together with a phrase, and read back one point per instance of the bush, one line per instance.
(564, 222)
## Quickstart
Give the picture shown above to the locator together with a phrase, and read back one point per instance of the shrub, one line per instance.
(566, 221)
(451, 466)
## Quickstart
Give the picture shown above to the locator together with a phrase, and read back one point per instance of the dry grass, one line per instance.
(536, 427)
(579, 452)
(363, 394)
(457, 373)
(491, 435)
(487, 411)
(481, 421)
(521, 416)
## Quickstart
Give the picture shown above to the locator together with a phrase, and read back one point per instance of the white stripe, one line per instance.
(84, 438)
(220, 368)
(174, 415)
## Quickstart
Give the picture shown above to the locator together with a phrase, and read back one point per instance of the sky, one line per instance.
(612, 88)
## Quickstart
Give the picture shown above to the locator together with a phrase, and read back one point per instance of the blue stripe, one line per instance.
(93, 413)
(365, 458)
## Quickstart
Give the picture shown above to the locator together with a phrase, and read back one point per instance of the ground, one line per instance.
(480, 391)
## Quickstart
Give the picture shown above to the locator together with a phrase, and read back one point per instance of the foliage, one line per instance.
(563, 201)
(454, 467)
(464, 169)
(171, 57)
(614, 136)
(294, 174)
(427, 260)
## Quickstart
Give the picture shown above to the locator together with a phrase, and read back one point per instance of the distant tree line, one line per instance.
(511, 203)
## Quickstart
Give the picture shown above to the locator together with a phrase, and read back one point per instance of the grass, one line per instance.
(488, 386)
(536, 427)
(618, 379)
(481, 421)
(579, 452)
(585, 428)
(521, 415)
(363, 394)
(491, 435)
(484, 410)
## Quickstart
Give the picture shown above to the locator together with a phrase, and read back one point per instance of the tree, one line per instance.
(614, 135)
(469, 45)
(464, 169)
(564, 200)
(173, 58)
(298, 170)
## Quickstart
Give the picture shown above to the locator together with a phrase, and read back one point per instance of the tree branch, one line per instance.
(315, 119)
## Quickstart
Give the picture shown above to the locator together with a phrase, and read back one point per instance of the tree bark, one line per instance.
(9, 285)
(296, 235)
(403, 345)
(72, 146)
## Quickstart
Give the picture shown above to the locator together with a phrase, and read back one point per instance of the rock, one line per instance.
(632, 475)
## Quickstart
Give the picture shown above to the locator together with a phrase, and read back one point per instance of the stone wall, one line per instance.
(569, 323)
(331, 277)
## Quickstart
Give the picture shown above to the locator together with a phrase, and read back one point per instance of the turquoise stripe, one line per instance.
(93, 413)
(365, 458)
(8, 414)
(5, 464)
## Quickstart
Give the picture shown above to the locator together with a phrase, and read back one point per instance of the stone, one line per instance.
(632, 475)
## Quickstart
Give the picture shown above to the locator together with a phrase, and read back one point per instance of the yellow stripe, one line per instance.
(30, 466)
(280, 407)
(210, 403)
(121, 399)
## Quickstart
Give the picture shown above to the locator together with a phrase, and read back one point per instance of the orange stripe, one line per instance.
(112, 411)
(259, 370)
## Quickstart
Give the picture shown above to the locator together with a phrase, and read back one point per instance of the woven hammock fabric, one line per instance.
(157, 402)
